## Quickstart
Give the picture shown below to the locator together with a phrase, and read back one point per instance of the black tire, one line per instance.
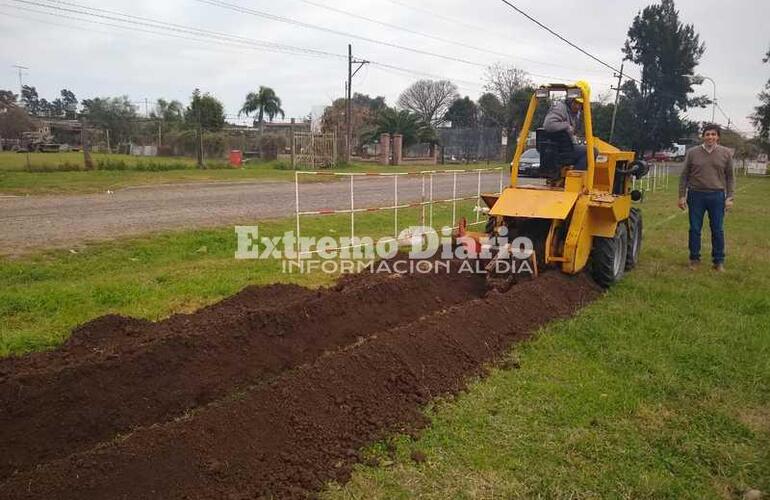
(635, 232)
(608, 257)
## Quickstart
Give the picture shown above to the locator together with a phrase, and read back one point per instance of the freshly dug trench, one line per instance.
(287, 437)
(116, 374)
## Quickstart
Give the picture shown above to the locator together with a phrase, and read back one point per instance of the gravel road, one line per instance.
(34, 223)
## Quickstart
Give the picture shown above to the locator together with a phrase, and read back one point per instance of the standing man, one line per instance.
(707, 185)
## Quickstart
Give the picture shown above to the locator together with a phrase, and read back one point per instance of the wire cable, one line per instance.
(434, 37)
(560, 37)
(74, 8)
(273, 17)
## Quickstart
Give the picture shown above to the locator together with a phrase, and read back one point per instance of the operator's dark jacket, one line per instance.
(560, 118)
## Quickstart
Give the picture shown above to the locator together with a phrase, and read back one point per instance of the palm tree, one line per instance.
(264, 102)
(408, 124)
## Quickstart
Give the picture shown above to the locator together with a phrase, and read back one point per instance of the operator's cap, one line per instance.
(585, 88)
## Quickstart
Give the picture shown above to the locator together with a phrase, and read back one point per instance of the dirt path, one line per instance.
(41, 222)
(269, 393)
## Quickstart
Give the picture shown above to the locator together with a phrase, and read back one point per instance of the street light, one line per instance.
(697, 79)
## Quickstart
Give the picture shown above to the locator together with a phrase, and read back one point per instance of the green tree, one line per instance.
(373, 103)
(30, 99)
(7, 99)
(13, 119)
(45, 109)
(625, 130)
(69, 104)
(761, 116)
(168, 111)
(491, 112)
(668, 51)
(264, 102)
(463, 113)
(116, 114)
(363, 109)
(206, 110)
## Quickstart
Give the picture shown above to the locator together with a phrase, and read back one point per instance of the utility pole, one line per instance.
(714, 99)
(87, 161)
(293, 146)
(617, 100)
(349, 105)
(21, 83)
(697, 80)
(200, 139)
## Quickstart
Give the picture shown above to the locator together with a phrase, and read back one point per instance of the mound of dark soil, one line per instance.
(279, 395)
(118, 373)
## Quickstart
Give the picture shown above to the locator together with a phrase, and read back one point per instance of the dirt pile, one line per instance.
(270, 392)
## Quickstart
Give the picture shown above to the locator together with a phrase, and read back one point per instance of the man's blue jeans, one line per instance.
(712, 202)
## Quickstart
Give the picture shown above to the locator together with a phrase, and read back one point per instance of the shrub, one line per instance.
(282, 165)
(59, 167)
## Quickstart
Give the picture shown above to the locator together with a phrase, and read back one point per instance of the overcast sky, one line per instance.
(100, 60)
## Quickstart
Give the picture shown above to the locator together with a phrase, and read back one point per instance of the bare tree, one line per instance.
(504, 81)
(430, 99)
(508, 91)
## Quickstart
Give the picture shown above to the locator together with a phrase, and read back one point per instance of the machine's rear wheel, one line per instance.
(634, 238)
(608, 257)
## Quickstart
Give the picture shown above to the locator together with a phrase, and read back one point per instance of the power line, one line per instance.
(241, 43)
(162, 28)
(218, 37)
(565, 40)
(438, 15)
(481, 85)
(273, 17)
(400, 28)
(202, 35)
(71, 7)
(162, 25)
(428, 35)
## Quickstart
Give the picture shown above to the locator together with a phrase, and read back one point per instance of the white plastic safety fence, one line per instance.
(753, 167)
(426, 203)
(655, 180)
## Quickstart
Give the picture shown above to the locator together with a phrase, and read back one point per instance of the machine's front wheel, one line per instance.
(634, 238)
(608, 257)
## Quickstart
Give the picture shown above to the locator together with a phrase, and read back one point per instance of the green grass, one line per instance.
(43, 296)
(661, 388)
(61, 173)
(11, 161)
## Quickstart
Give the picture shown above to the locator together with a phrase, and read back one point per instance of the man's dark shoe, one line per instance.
(720, 268)
(693, 265)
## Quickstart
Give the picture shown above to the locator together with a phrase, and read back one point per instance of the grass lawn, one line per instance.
(661, 388)
(15, 179)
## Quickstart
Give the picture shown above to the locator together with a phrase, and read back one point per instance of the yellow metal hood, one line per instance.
(534, 203)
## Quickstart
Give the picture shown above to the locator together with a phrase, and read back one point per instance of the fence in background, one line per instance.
(472, 144)
(754, 167)
(656, 179)
(312, 150)
(426, 203)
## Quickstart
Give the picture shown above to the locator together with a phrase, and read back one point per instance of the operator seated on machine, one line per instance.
(566, 116)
